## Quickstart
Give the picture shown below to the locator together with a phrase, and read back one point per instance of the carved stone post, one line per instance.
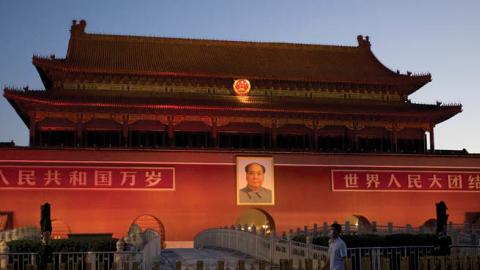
(220, 265)
(390, 227)
(3, 255)
(347, 227)
(119, 256)
(241, 265)
(200, 265)
(325, 228)
(91, 260)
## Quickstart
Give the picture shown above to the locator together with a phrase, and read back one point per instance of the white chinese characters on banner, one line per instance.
(38, 177)
(384, 180)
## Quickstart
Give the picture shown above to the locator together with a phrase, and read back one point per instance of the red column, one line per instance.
(432, 140)
(213, 133)
(125, 140)
(274, 134)
(171, 132)
(79, 131)
(33, 129)
(315, 138)
(394, 140)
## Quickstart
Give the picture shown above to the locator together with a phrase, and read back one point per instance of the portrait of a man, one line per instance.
(255, 181)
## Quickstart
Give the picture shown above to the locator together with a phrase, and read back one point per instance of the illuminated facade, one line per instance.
(134, 108)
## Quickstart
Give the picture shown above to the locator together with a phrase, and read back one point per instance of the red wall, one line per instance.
(205, 192)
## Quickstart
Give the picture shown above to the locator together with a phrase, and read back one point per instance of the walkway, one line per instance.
(190, 256)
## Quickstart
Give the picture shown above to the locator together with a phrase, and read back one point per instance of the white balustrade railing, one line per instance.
(390, 228)
(72, 260)
(461, 234)
(465, 251)
(143, 258)
(272, 250)
(151, 250)
(260, 246)
(20, 233)
(377, 255)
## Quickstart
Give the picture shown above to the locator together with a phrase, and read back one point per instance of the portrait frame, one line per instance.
(269, 177)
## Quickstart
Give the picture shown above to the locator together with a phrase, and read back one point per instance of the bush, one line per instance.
(300, 238)
(320, 241)
(24, 245)
(64, 245)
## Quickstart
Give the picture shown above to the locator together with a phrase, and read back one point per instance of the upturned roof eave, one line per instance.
(25, 118)
(436, 113)
(409, 84)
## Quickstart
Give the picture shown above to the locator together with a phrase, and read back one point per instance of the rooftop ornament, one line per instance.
(79, 28)
(363, 42)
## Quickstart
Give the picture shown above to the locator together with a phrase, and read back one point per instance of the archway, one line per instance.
(359, 223)
(258, 217)
(151, 222)
(430, 225)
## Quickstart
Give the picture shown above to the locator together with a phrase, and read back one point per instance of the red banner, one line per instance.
(405, 181)
(87, 178)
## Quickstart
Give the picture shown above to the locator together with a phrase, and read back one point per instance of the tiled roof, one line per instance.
(113, 54)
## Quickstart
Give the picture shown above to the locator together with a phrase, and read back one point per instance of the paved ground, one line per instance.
(190, 256)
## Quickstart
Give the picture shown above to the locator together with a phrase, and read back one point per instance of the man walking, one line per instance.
(337, 249)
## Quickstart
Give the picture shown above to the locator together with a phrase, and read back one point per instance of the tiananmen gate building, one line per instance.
(130, 127)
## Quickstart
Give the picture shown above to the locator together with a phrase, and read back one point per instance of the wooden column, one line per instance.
(171, 131)
(425, 147)
(125, 138)
(213, 133)
(351, 134)
(432, 139)
(33, 129)
(273, 137)
(394, 140)
(393, 128)
(355, 140)
(79, 131)
(315, 136)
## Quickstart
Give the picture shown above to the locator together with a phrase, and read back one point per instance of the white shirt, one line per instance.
(337, 250)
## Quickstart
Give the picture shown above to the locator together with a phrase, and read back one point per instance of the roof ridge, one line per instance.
(218, 42)
(78, 32)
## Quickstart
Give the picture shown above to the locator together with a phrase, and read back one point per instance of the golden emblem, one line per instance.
(241, 87)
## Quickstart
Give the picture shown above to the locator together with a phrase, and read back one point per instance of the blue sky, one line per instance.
(440, 37)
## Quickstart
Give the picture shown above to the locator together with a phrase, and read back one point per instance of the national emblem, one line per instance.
(241, 87)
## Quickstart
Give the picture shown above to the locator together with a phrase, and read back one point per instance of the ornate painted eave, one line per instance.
(197, 104)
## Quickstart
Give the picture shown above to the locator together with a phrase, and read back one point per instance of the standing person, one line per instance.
(337, 249)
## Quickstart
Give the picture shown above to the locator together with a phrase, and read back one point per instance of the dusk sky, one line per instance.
(439, 37)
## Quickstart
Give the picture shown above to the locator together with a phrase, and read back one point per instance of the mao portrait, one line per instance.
(255, 182)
